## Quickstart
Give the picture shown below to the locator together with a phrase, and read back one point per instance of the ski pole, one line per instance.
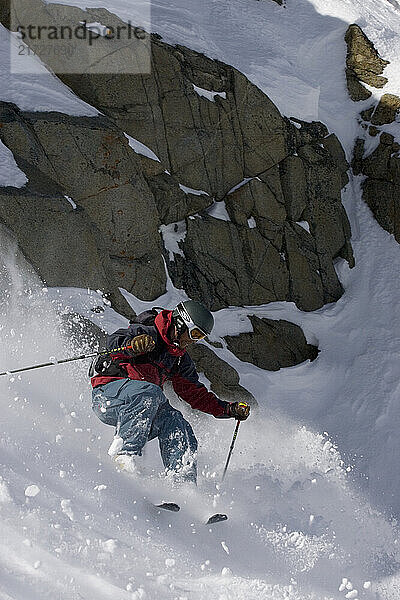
(65, 360)
(231, 448)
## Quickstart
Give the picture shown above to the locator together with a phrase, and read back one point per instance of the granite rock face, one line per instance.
(381, 188)
(219, 139)
(47, 228)
(173, 203)
(272, 344)
(383, 198)
(363, 64)
(95, 167)
(206, 122)
(286, 227)
(381, 167)
(241, 204)
(387, 109)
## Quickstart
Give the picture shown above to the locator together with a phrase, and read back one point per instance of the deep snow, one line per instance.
(311, 467)
(73, 527)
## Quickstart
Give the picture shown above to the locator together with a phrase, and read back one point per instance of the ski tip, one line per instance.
(171, 506)
(216, 518)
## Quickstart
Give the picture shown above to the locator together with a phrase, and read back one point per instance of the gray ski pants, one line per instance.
(140, 412)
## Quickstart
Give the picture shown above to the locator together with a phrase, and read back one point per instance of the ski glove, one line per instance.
(141, 344)
(239, 410)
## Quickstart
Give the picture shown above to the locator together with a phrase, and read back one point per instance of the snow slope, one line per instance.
(10, 174)
(39, 90)
(312, 468)
(75, 528)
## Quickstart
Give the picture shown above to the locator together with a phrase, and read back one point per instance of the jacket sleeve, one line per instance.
(188, 387)
(122, 337)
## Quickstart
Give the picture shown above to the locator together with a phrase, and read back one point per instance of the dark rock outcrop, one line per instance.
(387, 109)
(363, 64)
(381, 188)
(174, 204)
(212, 130)
(272, 344)
(205, 143)
(262, 254)
(381, 167)
(280, 181)
(383, 198)
(98, 170)
(47, 229)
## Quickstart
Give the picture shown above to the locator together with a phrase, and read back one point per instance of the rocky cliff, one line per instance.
(251, 198)
(381, 166)
(272, 173)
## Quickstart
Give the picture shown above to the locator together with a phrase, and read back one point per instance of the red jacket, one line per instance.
(165, 362)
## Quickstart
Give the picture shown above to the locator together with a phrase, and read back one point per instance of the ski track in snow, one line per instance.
(303, 505)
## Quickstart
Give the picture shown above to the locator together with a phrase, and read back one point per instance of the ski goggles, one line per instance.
(195, 333)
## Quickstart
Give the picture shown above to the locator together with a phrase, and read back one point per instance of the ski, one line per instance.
(217, 518)
(171, 506)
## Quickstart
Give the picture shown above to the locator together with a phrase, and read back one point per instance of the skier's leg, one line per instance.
(106, 401)
(134, 404)
(178, 444)
(142, 401)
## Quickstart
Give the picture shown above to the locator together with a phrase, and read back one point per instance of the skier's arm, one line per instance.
(188, 387)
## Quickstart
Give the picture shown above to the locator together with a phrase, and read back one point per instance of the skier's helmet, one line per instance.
(194, 317)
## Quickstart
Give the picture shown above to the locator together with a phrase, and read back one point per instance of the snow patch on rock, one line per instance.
(172, 234)
(210, 95)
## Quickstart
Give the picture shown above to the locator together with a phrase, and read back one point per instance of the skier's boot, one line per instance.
(126, 462)
(116, 446)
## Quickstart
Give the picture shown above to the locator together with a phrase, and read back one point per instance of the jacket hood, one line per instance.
(163, 322)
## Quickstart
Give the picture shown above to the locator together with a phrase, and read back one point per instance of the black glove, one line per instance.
(141, 344)
(239, 410)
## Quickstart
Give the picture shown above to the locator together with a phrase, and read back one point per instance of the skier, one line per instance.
(127, 392)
